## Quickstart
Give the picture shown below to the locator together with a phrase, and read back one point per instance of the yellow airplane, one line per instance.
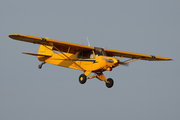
(85, 58)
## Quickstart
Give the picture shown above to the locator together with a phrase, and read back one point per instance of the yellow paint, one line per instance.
(44, 50)
(89, 65)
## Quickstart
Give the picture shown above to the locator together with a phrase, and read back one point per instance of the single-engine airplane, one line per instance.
(81, 57)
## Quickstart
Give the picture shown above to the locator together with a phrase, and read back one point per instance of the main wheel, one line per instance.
(110, 82)
(82, 78)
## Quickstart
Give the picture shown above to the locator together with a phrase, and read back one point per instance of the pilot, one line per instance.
(92, 55)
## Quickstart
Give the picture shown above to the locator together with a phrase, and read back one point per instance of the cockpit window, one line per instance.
(86, 54)
(99, 52)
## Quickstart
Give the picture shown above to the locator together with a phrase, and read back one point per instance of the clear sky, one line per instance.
(143, 91)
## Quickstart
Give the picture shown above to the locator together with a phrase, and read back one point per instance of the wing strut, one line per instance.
(67, 56)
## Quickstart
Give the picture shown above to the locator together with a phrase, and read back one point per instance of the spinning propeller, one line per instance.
(123, 63)
(116, 62)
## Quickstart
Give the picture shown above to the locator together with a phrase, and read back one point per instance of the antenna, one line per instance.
(88, 41)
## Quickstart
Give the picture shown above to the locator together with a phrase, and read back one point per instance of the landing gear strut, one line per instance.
(40, 65)
(109, 82)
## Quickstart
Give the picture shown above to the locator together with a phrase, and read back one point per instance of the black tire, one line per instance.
(82, 78)
(40, 66)
(110, 82)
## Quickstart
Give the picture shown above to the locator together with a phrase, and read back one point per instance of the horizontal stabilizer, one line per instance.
(37, 54)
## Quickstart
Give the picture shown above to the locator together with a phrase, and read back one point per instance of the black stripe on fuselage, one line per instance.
(94, 61)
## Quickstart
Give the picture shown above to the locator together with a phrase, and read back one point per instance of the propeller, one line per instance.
(123, 63)
(109, 60)
(118, 62)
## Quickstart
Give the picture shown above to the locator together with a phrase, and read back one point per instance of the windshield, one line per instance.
(99, 52)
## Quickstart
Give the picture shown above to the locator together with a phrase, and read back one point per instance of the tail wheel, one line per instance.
(40, 66)
(82, 78)
(110, 82)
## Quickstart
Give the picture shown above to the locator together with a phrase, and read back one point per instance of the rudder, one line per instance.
(44, 50)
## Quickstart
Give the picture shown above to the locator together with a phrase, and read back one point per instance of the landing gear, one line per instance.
(100, 76)
(110, 83)
(40, 65)
(82, 78)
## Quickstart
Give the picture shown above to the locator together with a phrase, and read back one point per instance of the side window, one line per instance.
(86, 54)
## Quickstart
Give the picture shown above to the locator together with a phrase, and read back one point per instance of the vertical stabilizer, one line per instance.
(44, 50)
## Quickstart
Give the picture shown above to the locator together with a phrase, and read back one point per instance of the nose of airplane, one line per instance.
(110, 60)
(116, 62)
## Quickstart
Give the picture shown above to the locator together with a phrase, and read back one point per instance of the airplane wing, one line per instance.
(132, 55)
(73, 48)
(63, 46)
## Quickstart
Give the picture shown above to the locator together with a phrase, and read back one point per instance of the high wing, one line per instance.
(73, 48)
(62, 46)
(132, 55)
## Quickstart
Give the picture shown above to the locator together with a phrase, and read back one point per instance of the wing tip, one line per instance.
(172, 59)
(168, 59)
(14, 36)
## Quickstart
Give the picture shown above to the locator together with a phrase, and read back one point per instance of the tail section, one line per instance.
(35, 54)
(44, 52)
